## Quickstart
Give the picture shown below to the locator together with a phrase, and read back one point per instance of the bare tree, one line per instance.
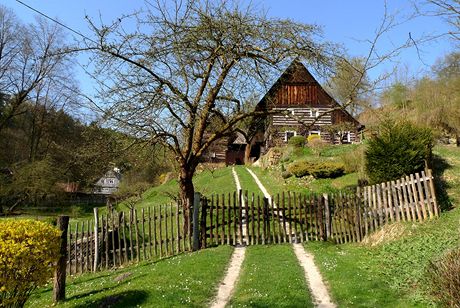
(29, 54)
(180, 77)
(448, 9)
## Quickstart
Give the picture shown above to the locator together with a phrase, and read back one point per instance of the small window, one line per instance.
(288, 134)
(314, 132)
(111, 181)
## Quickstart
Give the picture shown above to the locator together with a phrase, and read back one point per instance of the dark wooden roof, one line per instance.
(297, 87)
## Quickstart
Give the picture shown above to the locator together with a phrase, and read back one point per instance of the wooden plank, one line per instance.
(166, 237)
(177, 230)
(374, 211)
(229, 220)
(144, 255)
(125, 246)
(211, 225)
(171, 224)
(421, 199)
(118, 222)
(246, 204)
(240, 216)
(91, 246)
(235, 220)
(284, 218)
(427, 194)
(136, 229)
(359, 227)
(253, 221)
(114, 253)
(154, 226)
(264, 222)
(160, 231)
(131, 239)
(294, 217)
(223, 220)
(106, 240)
(415, 198)
(258, 220)
(279, 220)
(401, 207)
(433, 192)
(395, 201)
(149, 225)
(301, 226)
(305, 216)
(410, 198)
(379, 204)
(403, 192)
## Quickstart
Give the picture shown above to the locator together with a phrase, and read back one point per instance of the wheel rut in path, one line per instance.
(227, 285)
(313, 277)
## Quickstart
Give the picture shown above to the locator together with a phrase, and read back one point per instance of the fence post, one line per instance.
(328, 215)
(204, 208)
(196, 226)
(96, 239)
(60, 271)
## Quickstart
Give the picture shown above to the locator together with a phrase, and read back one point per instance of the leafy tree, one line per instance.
(397, 149)
(193, 61)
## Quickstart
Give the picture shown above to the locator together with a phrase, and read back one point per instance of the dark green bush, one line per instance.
(444, 278)
(297, 141)
(286, 174)
(398, 149)
(316, 169)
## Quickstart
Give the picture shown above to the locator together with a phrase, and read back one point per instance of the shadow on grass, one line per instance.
(131, 298)
(440, 165)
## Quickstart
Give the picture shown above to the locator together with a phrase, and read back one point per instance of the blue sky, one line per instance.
(347, 22)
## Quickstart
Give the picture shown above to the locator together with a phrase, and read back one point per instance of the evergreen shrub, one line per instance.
(398, 149)
(29, 250)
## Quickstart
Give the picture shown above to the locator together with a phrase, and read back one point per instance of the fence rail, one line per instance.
(247, 219)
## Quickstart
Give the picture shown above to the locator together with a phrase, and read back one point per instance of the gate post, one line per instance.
(60, 271)
(195, 223)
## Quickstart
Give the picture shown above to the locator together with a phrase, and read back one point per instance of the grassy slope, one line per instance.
(393, 272)
(186, 280)
(271, 276)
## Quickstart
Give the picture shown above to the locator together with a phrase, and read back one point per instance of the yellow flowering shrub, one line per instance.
(29, 250)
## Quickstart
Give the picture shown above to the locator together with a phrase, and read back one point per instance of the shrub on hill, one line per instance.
(396, 150)
(29, 250)
(316, 169)
(297, 141)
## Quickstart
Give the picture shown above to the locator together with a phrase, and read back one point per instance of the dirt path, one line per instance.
(316, 285)
(228, 284)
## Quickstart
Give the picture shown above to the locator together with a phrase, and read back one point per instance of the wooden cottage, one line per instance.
(296, 105)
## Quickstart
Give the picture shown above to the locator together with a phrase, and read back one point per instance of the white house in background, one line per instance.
(109, 183)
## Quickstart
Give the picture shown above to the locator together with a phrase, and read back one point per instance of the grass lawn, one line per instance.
(186, 280)
(271, 276)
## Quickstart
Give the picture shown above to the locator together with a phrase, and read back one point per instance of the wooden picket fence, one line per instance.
(118, 238)
(241, 218)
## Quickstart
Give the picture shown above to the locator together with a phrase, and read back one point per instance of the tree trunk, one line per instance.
(186, 193)
(247, 153)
